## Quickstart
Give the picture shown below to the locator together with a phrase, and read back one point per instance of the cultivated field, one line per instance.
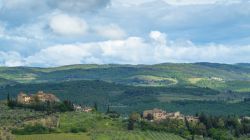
(123, 135)
(81, 136)
(109, 135)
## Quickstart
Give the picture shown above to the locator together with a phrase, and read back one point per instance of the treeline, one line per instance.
(220, 128)
(224, 127)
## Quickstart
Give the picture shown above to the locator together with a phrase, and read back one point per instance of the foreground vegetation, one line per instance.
(109, 135)
(32, 125)
(67, 136)
(29, 124)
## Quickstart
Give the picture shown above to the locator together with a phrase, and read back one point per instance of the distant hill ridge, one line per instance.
(167, 74)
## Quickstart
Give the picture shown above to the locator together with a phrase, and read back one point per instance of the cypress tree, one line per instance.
(95, 106)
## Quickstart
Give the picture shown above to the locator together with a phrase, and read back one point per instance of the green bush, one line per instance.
(33, 129)
(77, 130)
(220, 134)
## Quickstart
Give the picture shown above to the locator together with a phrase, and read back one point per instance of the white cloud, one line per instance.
(66, 25)
(158, 37)
(116, 51)
(136, 50)
(111, 31)
(191, 2)
(4, 34)
(129, 2)
(172, 2)
(57, 55)
(10, 59)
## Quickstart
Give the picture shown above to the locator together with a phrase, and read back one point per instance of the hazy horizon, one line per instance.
(124, 64)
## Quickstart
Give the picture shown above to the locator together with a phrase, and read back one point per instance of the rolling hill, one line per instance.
(212, 75)
(189, 88)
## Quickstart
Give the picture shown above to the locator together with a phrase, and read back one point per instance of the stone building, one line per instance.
(82, 109)
(158, 115)
(24, 98)
(44, 97)
(38, 97)
(192, 119)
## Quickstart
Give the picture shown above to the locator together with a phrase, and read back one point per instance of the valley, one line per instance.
(218, 90)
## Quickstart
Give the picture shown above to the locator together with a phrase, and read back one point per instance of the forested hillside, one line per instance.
(216, 76)
(190, 88)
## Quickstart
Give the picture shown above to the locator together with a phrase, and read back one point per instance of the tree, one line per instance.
(11, 103)
(220, 134)
(200, 129)
(220, 123)
(149, 117)
(133, 118)
(95, 106)
(8, 97)
(130, 125)
(65, 106)
(108, 110)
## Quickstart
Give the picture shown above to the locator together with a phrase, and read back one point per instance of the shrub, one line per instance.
(220, 134)
(32, 129)
(77, 130)
(74, 130)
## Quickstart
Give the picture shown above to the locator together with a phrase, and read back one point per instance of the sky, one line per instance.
(48, 33)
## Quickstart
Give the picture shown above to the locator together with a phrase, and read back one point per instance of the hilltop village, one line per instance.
(47, 98)
(159, 115)
(151, 115)
(38, 97)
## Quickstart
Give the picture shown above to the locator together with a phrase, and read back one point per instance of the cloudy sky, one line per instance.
(62, 32)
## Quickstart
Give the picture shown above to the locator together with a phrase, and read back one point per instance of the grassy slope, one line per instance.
(17, 117)
(98, 127)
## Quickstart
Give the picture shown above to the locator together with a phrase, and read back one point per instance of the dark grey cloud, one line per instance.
(17, 12)
(78, 5)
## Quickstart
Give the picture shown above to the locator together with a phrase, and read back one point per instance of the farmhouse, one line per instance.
(82, 109)
(158, 115)
(192, 119)
(176, 116)
(24, 98)
(44, 97)
(38, 97)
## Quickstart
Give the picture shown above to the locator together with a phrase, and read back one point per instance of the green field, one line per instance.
(97, 127)
(136, 136)
(88, 122)
(65, 136)
(110, 135)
